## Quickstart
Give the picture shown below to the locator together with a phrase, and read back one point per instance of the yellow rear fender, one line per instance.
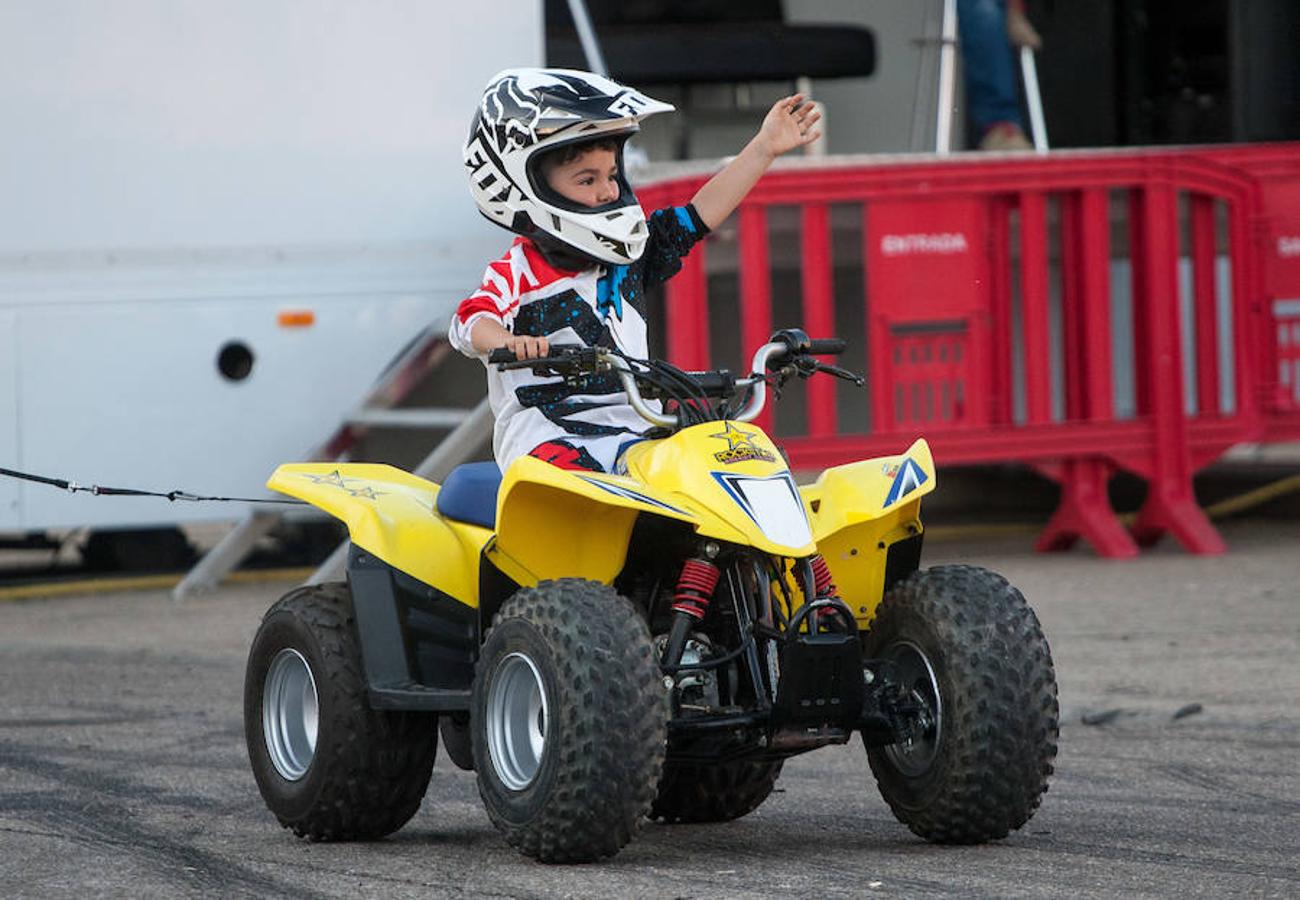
(390, 513)
(862, 514)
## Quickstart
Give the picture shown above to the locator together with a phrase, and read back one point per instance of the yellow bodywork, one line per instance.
(555, 522)
(725, 480)
(390, 513)
(855, 519)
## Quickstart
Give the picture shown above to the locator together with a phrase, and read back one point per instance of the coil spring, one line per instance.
(822, 581)
(695, 587)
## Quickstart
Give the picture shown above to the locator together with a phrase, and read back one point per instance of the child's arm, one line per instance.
(788, 124)
(487, 335)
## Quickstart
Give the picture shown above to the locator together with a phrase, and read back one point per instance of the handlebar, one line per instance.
(788, 351)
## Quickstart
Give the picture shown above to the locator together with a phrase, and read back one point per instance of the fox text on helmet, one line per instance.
(526, 112)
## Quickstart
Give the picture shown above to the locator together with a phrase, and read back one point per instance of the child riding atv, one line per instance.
(601, 647)
(545, 160)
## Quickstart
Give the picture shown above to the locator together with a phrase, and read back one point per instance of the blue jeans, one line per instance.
(988, 64)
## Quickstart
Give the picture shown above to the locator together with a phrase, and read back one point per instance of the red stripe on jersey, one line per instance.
(502, 267)
(478, 304)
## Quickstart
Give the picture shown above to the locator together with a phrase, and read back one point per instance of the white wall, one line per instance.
(175, 172)
(243, 122)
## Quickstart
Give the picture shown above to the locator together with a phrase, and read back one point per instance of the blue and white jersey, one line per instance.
(600, 306)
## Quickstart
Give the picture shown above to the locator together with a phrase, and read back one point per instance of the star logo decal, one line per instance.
(335, 479)
(740, 446)
(736, 437)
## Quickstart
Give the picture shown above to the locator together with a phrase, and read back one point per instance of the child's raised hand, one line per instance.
(789, 124)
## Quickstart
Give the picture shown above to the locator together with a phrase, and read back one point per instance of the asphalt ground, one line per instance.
(123, 770)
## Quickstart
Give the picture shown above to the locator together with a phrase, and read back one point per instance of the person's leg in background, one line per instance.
(988, 66)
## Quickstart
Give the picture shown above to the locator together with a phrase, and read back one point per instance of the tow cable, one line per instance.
(172, 496)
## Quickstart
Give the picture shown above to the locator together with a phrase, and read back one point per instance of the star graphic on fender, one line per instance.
(333, 478)
(736, 437)
(337, 480)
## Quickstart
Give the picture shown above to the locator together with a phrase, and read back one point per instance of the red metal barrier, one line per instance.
(988, 287)
(1276, 236)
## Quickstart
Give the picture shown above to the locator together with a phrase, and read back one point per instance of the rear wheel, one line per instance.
(329, 767)
(971, 655)
(713, 793)
(569, 721)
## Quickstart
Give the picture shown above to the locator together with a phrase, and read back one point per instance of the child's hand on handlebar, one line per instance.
(489, 334)
(525, 346)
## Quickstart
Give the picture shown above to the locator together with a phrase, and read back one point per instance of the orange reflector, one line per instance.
(296, 318)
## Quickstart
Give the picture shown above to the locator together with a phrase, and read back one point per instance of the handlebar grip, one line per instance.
(502, 356)
(827, 346)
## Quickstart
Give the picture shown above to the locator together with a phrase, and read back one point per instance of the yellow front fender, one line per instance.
(558, 523)
(390, 513)
(859, 510)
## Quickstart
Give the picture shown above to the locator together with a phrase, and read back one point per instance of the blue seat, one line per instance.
(470, 494)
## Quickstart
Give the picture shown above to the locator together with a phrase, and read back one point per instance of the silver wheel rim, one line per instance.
(516, 721)
(290, 714)
(914, 757)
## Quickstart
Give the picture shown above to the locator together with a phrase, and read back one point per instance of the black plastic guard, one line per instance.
(821, 680)
(418, 645)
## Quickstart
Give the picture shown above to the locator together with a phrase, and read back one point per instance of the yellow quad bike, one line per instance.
(603, 647)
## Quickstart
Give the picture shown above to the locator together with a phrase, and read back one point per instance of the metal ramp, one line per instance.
(469, 429)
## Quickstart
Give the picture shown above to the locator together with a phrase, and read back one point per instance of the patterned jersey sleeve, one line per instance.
(674, 230)
(497, 297)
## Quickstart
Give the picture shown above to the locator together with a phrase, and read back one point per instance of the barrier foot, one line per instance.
(1085, 512)
(1176, 512)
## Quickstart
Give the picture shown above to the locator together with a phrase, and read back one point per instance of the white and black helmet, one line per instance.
(526, 112)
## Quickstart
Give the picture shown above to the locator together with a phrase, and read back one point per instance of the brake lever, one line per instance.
(845, 374)
(806, 366)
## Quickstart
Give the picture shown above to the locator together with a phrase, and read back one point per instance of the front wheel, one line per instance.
(329, 767)
(971, 656)
(569, 721)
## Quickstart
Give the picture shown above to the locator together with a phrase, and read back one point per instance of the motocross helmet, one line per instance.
(524, 114)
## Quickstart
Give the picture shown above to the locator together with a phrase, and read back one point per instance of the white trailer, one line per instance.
(218, 221)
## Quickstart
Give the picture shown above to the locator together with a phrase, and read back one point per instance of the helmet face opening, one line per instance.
(538, 177)
(526, 114)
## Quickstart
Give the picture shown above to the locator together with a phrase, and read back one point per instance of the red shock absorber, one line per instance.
(695, 587)
(824, 587)
(824, 584)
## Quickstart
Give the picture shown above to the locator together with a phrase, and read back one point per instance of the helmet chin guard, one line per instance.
(526, 112)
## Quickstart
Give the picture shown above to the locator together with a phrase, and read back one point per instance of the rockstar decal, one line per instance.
(740, 446)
